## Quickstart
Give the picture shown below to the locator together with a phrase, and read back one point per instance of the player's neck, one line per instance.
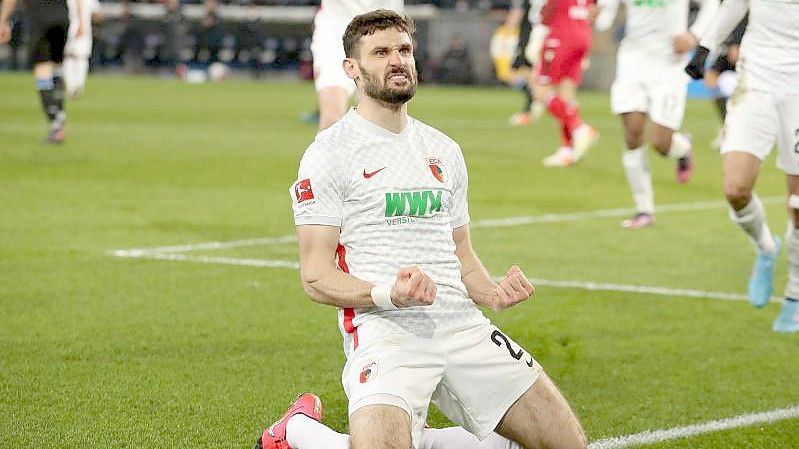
(385, 115)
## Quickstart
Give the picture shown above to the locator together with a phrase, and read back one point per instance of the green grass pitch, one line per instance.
(98, 351)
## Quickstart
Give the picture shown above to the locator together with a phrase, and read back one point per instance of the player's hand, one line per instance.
(5, 33)
(413, 288)
(511, 290)
(696, 67)
(732, 53)
(683, 42)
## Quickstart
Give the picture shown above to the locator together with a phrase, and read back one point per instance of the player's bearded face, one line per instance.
(395, 85)
(387, 67)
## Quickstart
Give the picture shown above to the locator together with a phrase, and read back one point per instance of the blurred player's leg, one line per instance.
(788, 319)
(639, 178)
(637, 171)
(75, 73)
(675, 146)
(740, 172)
(583, 136)
(52, 102)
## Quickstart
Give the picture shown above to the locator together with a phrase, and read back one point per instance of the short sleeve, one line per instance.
(460, 205)
(317, 194)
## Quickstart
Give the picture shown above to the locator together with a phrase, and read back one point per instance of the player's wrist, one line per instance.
(381, 297)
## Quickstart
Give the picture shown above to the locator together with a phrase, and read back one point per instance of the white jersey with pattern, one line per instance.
(397, 199)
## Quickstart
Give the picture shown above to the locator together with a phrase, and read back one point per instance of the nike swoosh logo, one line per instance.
(369, 175)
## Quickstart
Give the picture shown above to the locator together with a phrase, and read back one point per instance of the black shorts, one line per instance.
(47, 41)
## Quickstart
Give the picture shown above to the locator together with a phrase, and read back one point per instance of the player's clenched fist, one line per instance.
(413, 288)
(513, 289)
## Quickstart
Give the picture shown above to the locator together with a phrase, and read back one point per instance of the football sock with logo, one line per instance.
(564, 112)
(303, 432)
(752, 219)
(680, 146)
(639, 177)
(792, 245)
(459, 438)
(45, 86)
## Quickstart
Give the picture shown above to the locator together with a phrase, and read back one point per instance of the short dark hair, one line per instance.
(368, 23)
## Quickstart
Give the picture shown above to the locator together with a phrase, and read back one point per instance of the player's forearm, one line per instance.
(727, 17)
(478, 282)
(336, 288)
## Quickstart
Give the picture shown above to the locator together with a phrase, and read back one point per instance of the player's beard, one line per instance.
(379, 88)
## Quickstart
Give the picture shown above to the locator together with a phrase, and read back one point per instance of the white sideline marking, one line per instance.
(172, 252)
(657, 436)
(269, 263)
(603, 213)
(476, 224)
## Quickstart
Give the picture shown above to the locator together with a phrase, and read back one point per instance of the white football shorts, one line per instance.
(663, 102)
(328, 54)
(756, 120)
(473, 375)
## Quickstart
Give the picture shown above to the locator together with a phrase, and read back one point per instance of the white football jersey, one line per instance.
(347, 9)
(397, 199)
(769, 58)
(646, 52)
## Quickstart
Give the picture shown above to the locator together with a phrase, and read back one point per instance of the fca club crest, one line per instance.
(368, 372)
(436, 167)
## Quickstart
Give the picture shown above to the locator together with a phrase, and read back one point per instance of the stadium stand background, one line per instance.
(271, 39)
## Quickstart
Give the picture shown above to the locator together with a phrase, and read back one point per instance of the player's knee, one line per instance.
(634, 138)
(737, 194)
(661, 145)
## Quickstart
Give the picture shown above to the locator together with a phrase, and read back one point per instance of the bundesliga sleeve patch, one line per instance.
(303, 191)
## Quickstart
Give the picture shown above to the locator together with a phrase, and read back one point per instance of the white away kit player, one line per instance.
(762, 111)
(78, 48)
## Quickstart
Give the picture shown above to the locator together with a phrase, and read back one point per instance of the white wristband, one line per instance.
(381, 296)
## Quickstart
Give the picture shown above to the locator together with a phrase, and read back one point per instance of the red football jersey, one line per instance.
(567, 18)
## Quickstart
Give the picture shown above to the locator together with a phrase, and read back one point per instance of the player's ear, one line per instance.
(351, 68)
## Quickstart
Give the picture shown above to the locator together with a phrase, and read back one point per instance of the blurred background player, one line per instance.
(560, 71)
(650, 84)
(333, 87)
(764, 109)
(48, 21)
(721, 78)
(526, 55)
(79, 48)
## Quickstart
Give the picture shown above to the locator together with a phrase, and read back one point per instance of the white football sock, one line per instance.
(459, 438)
(752, 219)
(792, 245)
(639, 177)
(303, 432)
(680, 146)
